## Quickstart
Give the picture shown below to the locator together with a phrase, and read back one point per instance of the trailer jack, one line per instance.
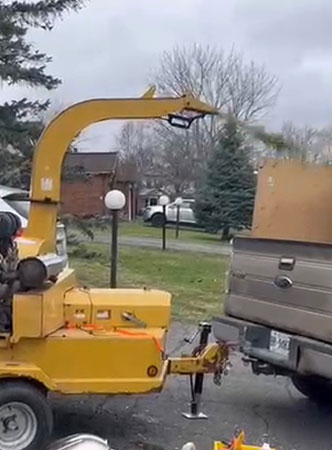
(206, 358)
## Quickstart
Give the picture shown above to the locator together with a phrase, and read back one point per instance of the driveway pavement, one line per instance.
(261, 405)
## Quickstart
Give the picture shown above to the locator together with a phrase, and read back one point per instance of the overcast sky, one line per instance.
(110, 47)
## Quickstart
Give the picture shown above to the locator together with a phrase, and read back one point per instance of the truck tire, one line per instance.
(315, 388)
(26, 418)
(157, 220)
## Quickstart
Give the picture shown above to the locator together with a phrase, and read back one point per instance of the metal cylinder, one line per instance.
(80, 442)
(34, 271)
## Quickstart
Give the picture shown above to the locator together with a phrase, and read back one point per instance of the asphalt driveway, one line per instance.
(260, 405)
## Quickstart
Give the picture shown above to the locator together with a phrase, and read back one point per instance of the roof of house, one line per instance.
(92, 162)
(150, 192)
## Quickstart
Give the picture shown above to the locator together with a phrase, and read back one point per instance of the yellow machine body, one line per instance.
(74, 340)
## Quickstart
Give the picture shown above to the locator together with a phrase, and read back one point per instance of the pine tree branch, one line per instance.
(20, 62)
(42, 13)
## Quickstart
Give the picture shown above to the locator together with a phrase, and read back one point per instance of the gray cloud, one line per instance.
(302, 25)
(295, 41)
(110, 47)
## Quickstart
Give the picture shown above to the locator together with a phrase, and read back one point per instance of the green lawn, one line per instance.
(195, 280)
(139, 229)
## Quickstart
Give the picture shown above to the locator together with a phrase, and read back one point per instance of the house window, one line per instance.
(150, 201)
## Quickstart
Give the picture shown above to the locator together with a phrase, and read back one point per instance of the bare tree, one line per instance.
(324, 150)
(224, 80)
(175, 157)
(135, 144)
(304, 143)
(175, 165)
(301, 143)
(161, 162)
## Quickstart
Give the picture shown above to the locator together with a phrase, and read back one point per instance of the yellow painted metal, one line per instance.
(77, 361)
(42, 213)
(151, 307)
(238, 443)
(39, 313)
(62, 338)
(77, 307)
(105, 308)
(150, 93)
(222, 446)
(53, 345)
(29, 246)
(27, 316)
(54, 142)
(76, 340)
(206, 362)
(21, 369)
(53, 300)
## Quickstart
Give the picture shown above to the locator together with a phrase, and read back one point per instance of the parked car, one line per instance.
(154, 214)
(17, 202)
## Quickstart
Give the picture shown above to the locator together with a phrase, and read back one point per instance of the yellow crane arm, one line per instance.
(57, 136)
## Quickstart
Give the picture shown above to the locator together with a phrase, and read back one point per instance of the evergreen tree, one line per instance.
(21, 63)
(225, 198)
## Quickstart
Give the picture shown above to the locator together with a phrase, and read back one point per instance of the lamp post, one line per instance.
(114, 201)
(164, 201)
(178, 203)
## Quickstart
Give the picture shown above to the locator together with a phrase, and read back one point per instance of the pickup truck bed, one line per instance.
(286, 285)
(279, 310)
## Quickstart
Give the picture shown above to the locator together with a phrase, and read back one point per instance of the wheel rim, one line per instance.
(18, 426)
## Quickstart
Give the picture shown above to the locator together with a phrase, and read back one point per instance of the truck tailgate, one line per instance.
(286, 285)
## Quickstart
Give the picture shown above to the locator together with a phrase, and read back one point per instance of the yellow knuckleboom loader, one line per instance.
(56, 336)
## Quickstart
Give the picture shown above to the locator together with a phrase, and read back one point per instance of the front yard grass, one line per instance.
(195, 280)
(139, 229)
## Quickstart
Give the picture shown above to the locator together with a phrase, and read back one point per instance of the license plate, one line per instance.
(279, 343)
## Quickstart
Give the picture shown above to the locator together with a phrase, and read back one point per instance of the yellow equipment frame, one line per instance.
(55, 140)
(75, 340)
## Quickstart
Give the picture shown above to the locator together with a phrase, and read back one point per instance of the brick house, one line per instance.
(93, 174)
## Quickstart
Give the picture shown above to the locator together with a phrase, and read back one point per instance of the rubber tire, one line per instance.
(157, 220)
(315, 388)
(24, 392)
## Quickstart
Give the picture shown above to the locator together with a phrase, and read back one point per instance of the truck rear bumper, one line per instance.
(304, 356)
